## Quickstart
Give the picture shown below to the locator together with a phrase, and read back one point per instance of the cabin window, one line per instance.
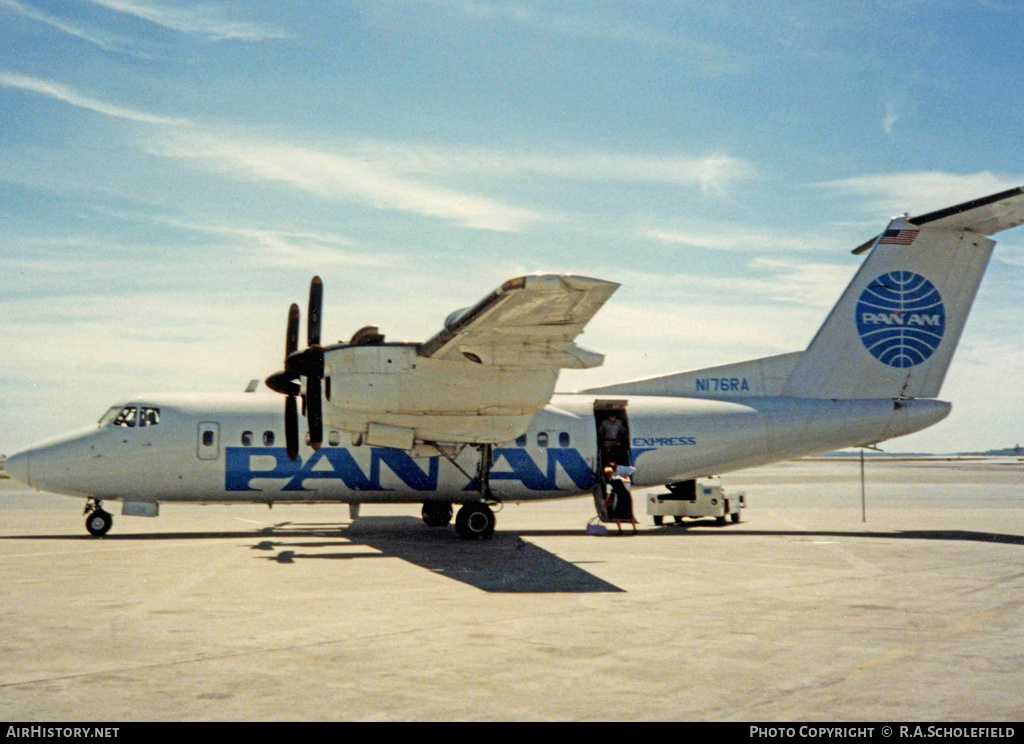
(521, 441)
(208, 438)
(268, 439)
(246, 438)
(563, 439)
(542, 439)
(334, 439)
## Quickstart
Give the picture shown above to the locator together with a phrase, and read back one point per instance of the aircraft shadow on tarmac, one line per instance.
(507, 562)
(502, 563)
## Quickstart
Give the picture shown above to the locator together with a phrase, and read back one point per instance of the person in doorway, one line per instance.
(610, 434)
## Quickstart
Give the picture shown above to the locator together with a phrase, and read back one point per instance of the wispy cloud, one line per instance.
(210, 22)
(712, 173)
(290, 248)
(769, 282)
(149, 328)
(921, 191)
(60, 24)
(734, 241)
(890, 118)
(585, 25)
(335, 176)
(403, 176)
(671, 33)
(69, 95)
(816, 285)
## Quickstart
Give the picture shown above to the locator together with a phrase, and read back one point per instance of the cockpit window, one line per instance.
(131, 416)
(126, 417)
(149, 416)
(110, 415)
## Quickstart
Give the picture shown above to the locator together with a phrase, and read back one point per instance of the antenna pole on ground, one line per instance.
(863, 500)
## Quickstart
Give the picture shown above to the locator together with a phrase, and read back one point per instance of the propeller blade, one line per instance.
(283, 382)
(308, 363)
(291, 427)
(291, 343)
(316, 302)
(314, 412)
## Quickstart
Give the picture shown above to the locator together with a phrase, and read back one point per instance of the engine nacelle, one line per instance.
(435, 400)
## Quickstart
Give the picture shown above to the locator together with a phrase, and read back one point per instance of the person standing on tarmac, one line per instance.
(618, 499)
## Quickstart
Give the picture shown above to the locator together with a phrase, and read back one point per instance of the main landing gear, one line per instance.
(437, 513)
(97, 521)
(475, 520)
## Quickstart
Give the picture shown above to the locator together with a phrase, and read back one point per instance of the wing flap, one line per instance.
(527, 323)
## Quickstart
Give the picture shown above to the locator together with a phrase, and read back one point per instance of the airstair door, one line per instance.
(613, 440)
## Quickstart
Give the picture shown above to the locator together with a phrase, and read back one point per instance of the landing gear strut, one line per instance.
(97, 521)
(475, 520)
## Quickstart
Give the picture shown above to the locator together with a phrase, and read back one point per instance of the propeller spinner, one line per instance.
(308, 363)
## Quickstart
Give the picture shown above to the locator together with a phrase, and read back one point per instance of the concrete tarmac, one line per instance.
(802, 612)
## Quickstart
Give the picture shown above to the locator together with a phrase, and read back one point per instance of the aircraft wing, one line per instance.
(985, 216)
(527, 323)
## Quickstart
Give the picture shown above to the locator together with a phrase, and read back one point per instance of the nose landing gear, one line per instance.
(97, 521)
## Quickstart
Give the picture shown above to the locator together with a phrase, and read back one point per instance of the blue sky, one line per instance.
(172, 174)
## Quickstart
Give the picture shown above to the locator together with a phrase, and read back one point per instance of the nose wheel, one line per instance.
(97, 521)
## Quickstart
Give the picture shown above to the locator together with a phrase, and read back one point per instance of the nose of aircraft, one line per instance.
(17, 466)
(59, 465)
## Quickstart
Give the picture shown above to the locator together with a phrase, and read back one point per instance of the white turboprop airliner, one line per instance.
(470, 416)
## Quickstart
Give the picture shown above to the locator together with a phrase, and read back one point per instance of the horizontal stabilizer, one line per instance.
(985, 216)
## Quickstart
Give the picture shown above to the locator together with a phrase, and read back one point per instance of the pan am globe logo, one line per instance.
(901, 318)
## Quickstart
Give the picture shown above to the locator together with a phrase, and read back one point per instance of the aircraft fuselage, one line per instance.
(230, 448)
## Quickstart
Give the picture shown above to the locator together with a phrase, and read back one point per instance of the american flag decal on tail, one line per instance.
(898, 237)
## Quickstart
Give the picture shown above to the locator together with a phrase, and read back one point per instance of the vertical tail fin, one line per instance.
(895, 328)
